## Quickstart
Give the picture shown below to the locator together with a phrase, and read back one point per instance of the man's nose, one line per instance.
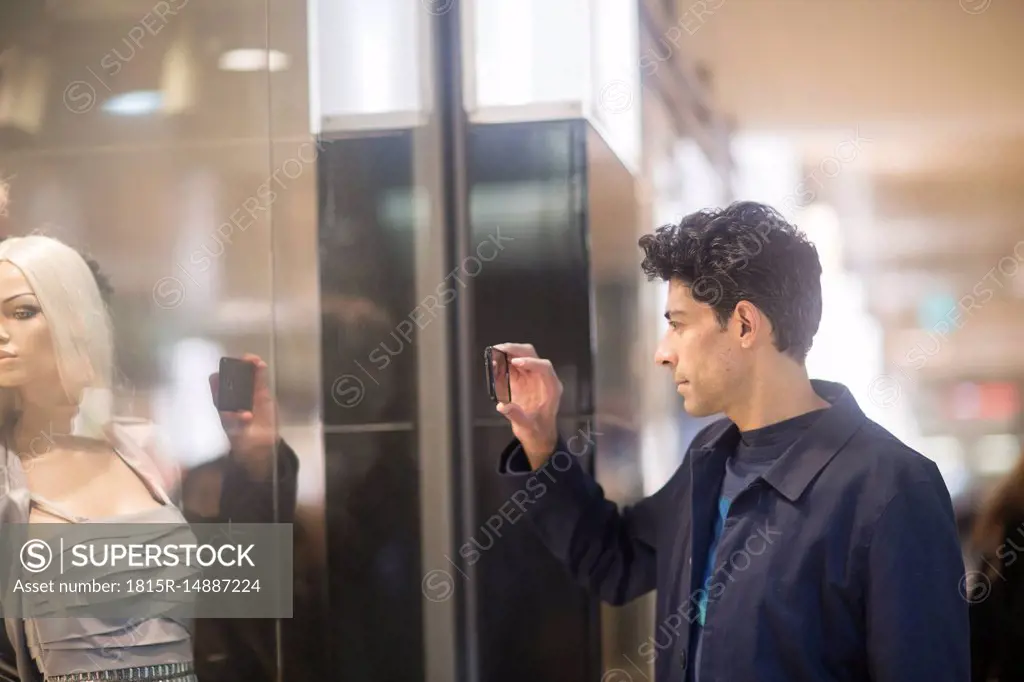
(662, 356)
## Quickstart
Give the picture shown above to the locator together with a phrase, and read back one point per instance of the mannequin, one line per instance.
(55, 368)
(68, 459)
(76, 465)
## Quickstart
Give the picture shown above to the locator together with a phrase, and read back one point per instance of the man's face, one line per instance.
(706, 360)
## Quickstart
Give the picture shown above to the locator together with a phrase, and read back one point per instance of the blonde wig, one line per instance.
(79, 325)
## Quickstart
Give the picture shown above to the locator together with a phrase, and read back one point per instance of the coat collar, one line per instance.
(800, 464)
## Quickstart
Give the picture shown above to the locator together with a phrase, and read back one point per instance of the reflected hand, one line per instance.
(252, 434)
(536, 395)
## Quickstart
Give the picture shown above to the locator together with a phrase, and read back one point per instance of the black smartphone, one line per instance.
(236, 385)
(499, 383)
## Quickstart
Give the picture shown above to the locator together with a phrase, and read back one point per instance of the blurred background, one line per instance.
(366, 194)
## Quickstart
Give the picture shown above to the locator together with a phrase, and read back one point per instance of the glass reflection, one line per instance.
(171, 142)
(163, 140)
(63, 448)
(69, 459)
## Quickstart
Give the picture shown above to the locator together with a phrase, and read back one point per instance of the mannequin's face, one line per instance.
(27, 356)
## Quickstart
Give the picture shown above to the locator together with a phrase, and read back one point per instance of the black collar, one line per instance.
(798, 466)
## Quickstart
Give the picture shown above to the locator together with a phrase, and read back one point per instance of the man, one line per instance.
(798, 541)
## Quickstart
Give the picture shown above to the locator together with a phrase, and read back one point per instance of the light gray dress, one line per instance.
(65, 649)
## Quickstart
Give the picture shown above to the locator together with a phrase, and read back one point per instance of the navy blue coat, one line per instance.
(841, 563)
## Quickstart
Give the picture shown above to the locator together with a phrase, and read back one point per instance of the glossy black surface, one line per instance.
(526, 183)
(526, 191)
(374, 574)
(367, 271)
(366, 253)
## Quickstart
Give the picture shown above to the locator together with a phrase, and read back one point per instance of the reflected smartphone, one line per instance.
(499, 383)
(236, 385)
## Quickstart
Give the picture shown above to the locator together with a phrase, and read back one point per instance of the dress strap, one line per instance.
(54, 509)
(138, 458)
(155, 490)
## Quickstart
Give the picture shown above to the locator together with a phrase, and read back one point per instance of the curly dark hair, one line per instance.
(744, 252)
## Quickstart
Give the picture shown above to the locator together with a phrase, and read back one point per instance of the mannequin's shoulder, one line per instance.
(140, 439)
(135, 435)
(137, 427)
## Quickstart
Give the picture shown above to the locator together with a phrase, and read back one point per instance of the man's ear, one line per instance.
(749, 319)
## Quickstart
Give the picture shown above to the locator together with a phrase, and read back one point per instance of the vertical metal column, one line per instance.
(438, 425)
(464, 355)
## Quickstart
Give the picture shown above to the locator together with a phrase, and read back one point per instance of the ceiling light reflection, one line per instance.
(136, 103)
(254, 60)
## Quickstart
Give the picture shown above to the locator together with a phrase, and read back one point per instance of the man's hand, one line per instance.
(252, 434)
(536, 394)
